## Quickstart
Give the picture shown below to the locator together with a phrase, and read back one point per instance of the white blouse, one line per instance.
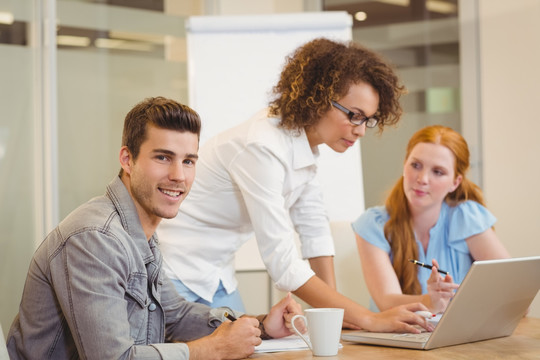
(253, 179)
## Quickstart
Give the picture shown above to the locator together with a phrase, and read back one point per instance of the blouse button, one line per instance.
(152, 307)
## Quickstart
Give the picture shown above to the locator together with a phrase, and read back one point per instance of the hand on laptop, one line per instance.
(400, 319)
(440, 290)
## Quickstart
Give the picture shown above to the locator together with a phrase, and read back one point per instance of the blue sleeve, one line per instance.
(467, 219)
(370, 226)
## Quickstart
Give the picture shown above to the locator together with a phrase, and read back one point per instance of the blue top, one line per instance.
(446, 239)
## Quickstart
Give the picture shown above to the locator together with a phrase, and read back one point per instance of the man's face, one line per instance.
(161, 176)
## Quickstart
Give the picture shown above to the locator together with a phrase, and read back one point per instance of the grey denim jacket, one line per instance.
(95, 290)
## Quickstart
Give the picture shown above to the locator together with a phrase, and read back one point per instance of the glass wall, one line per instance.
(17, 151)
(111, 55)
(63, 110)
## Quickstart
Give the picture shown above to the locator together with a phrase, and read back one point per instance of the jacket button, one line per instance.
(152, 307)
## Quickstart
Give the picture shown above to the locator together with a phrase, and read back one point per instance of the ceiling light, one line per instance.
(122, 45)
(396, 2)
(67, 40)
(155, 39)
(6, 18)
(360, 16)
(441, 7)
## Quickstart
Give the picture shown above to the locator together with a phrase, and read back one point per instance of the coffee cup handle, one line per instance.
(298, 332)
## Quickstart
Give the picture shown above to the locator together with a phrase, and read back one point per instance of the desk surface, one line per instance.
(524, 343)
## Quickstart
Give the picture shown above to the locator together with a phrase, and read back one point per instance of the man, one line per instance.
(95, 289)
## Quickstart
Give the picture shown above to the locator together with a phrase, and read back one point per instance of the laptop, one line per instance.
(490, 302)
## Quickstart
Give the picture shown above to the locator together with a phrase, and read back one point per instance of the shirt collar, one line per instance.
(122, 201)
(303, 154)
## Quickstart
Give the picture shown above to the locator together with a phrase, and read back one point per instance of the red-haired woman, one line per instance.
(434, 214)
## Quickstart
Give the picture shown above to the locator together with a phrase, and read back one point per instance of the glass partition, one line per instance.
(17, 149)
(111, 55)
(63, 110)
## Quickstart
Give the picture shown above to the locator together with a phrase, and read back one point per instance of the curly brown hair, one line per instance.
(323, 70)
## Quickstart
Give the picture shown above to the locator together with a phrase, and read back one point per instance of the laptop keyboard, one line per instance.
(417, 337)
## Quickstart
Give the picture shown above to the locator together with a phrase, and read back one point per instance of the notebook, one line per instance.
(490, 302)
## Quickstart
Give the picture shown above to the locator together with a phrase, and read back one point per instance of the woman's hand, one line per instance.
(401, 319)
(440, 290)
(278, 322)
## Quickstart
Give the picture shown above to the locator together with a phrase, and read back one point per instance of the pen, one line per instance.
(427, 266)
(229, 316)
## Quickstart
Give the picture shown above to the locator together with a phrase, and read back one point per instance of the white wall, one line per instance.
(509, 55)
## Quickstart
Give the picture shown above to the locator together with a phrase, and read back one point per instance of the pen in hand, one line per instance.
(427, 266)
(229, 316)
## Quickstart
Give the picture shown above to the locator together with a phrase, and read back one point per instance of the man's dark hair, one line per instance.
(161, 112)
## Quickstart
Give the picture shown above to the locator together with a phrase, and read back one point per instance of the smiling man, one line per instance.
(95, 288)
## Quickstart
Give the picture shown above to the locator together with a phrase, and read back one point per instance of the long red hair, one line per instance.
(398, 230)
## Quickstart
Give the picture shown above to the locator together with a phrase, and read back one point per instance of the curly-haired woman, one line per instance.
(258, 178)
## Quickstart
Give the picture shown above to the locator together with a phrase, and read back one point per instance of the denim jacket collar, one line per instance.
(121, 198)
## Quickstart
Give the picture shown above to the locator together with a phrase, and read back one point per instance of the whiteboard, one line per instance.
(233, 63)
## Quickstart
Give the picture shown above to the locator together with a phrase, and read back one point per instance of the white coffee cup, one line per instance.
(324, 329)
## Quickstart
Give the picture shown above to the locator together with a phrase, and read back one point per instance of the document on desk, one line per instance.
(288, 343)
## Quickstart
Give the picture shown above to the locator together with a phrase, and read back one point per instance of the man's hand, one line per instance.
(278, 322)
(231, 340)
(237, 339)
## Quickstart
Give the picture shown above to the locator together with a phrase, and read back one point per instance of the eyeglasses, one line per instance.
(357, 118)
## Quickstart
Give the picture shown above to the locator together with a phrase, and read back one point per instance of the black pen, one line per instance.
(427, 266)
(229, 316)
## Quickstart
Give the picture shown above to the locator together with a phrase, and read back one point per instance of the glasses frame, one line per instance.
(371, 122)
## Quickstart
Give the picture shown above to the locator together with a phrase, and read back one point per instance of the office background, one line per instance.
(469, 64)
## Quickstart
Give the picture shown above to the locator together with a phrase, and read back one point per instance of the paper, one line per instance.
(289, 343)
